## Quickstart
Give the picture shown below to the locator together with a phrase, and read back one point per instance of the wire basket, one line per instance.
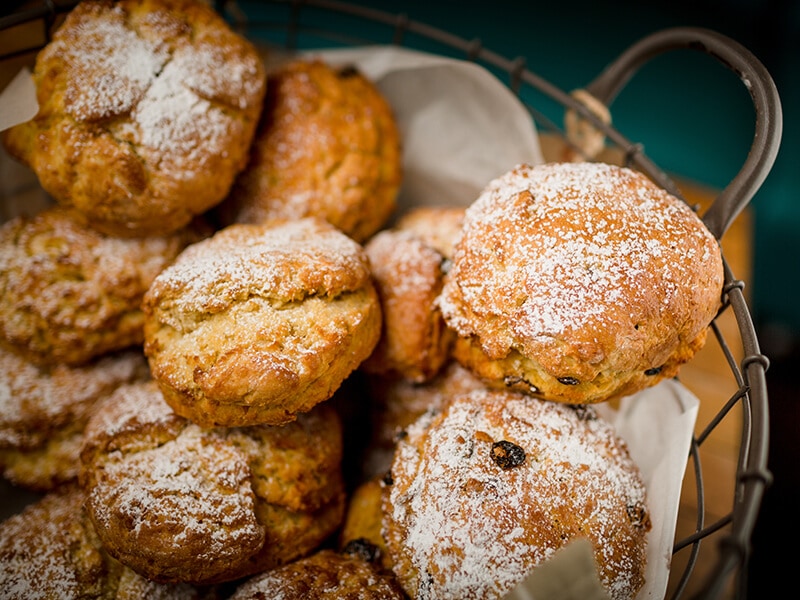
(300, 24)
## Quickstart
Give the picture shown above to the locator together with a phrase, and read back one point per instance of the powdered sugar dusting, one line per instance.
(403, 263)
(175, 95)
(129, 407)
(194, 486)
(287, 261)
(173, 124)
(113, 66)
(559, 247)
(475, 530)
(35, 545)
(31, 396)
(169, 480)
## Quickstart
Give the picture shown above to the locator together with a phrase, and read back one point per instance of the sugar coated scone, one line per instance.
(580, 282)
(415, 343)
(146, 112)
(178, 503)
(43, 412)
(327, 145)
(69, 293)
(486, 490)
(50, 550)
(325, 575)
(260, 322)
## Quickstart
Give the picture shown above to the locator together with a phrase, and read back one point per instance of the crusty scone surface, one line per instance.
(261, 322)
(147, 109)
(587, 273)
(70, 293)
(327, 146)
(460, 524)
(44, 412)
(408, 273)
(325, 575)
(179, 503)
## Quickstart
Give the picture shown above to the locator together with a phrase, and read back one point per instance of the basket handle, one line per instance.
(755, 77)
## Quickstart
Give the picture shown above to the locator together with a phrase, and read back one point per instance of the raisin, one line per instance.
(653, 371)
(569, 380)
(507, 455)
(362, 548)
(387, 478)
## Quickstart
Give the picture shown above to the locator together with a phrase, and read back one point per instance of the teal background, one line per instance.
(693, 116)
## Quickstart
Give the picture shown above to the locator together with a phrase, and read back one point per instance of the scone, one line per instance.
(485, 491)
(69, 294)
(580, 283)
(261, 322)
(327, 146)
(43, 413)
(325, 575)
(146, 112)
(415, 343)
(178, 503)
(50, 550)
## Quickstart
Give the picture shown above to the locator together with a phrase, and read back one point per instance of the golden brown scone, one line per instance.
(178, 503)
(260, 322)
(489, 488)
(43, 413)
(50, 550)
(395, 403)
(439, 226)
(327, 146)
(147, 110)
(580, 283)
(415, 343)
(363, 520)
(69, 294)
(325, 575)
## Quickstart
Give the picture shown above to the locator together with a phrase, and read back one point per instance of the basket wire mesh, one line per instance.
(299, 24)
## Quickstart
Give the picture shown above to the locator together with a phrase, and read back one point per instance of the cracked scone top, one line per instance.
(580, 282)
(260, 322)
(146, 111)
(179, 503)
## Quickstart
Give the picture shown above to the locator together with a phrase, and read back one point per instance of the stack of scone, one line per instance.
(233, 371)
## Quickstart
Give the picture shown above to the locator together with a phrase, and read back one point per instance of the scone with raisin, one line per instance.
(487, 489)
(580, 282)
